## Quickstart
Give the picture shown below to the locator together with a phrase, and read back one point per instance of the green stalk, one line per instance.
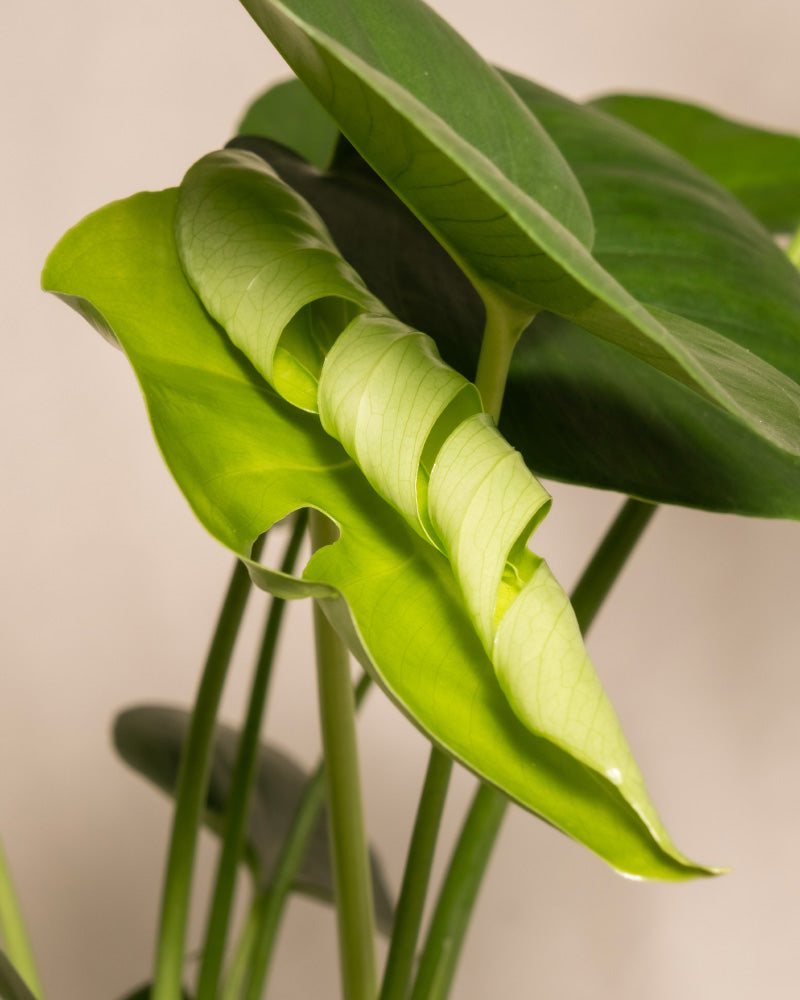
(352, 879)
(270, 908)
(240, 963)
(473, 850)
(793, 250)
(191, 792)
(410, 906)
(242, 781)
(12, 929)
(501, 333)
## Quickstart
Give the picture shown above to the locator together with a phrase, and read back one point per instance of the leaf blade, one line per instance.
(222, 433)
(759, 166)
(365, 63)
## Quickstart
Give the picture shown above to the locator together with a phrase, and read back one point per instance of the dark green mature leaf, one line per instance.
(443, 130)
(434, 121)
(577, 408)
(245, 458)
(681, 243)
(12, 986)
(150, 739)
(761, 167)
(288, 114)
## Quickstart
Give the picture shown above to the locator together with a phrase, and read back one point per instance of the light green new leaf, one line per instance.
(244, 458)
(151, 738)
(760, 167)
(450, 137)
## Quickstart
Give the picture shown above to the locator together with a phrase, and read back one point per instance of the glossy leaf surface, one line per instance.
(12, 986)
(246, 458)
(760, 167)
(434, 120)
(150, 739)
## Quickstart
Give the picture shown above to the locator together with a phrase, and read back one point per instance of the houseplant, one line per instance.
(778, 430)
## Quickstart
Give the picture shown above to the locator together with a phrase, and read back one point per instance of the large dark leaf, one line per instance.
(435, 121)
(150, 739)
(580, 409)
(762, 168)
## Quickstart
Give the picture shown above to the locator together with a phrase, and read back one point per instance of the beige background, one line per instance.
(109, 586)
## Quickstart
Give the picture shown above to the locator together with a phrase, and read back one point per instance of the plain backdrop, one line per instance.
(109, 586)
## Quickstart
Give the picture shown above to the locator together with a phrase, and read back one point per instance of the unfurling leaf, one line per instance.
(419, 619)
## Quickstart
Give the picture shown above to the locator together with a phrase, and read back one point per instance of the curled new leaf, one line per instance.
(416, 431)
(245, 458)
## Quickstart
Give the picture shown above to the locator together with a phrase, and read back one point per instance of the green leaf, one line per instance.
(150, 739)
(12, 986)
(577, 408)
(289, 114)
(433, 120)
(681, 243)
(760, 167)
(245, 458)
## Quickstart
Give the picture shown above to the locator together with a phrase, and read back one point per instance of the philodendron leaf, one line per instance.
(289, 114)
(434, 121)
(761, 167)
(679, 242)
(12, 985)
(245, 457)
(150, 739)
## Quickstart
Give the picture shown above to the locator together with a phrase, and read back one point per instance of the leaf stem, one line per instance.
(793, 250)
(240, 963)
(473, 850)
(504, 325)
(291, 857)
(12, 928)
(242, 780)
(191, 792)
(410, 906)
(352, 879)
